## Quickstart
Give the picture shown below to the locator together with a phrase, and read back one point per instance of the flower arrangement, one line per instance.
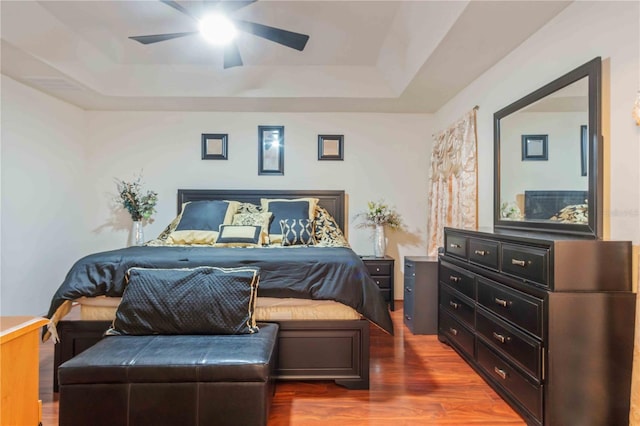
(139, 205)
(510, 211)
(380, 213)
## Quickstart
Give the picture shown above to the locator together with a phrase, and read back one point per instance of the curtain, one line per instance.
(453, 186)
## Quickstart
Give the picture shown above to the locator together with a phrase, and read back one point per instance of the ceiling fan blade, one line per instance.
(286, 38)
(229, 5)
(232, 56)
(148, 39)
(179, 8)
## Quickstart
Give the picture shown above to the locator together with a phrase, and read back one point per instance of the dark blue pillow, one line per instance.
(298, 208)
(201, 220)
(203, 215)
(203, 300)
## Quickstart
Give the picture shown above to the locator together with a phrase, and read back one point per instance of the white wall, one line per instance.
(581, 32)
(43, 196)
(386, 156)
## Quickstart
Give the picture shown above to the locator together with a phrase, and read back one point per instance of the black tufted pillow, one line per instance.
(203, 300)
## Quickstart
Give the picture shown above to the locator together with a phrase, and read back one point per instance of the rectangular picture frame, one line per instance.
(331, 147)
(214, 146)
(535, 148)
(271, 150)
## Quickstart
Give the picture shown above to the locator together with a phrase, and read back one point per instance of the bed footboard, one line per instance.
(308, 350)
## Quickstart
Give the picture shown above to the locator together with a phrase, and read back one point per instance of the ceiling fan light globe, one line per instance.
(217, 29)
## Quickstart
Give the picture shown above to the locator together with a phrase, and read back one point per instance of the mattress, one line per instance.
(103, 308)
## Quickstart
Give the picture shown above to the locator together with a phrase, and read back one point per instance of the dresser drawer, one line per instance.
(382, 282)
(455, 245)
(521, 309)
(458, 278)
(386, 294)
(526, 262)
(524, 350)
(457, 333)
(456, 305)
(527, 393)
(378, 268)
(484, 252)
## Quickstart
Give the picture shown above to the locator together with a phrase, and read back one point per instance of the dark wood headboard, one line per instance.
(332, 200)
(545, 204)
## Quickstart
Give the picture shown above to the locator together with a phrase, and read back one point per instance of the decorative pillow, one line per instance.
(326, 230)
(258, 219)
(201, 220)
(297, 208)
(239, 236)
(248, 208)
(577, 213)
(297, 232)
(203, 300)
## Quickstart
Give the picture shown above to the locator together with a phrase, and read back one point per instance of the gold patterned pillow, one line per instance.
(327, 231)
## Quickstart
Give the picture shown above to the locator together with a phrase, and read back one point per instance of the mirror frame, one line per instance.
(592, 70)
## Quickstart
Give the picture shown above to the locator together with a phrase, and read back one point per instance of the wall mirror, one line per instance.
(562, 192)
(271, 150)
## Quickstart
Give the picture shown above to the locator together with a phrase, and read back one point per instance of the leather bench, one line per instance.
(171, 380)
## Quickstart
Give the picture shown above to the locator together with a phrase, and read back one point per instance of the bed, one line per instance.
(329, 343)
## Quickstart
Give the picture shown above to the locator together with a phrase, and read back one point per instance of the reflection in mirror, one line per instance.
(548, 168)
(271, 146)
(559, 117)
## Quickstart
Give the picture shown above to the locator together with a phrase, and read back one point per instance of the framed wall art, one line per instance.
(535, 148)
(330, 147)
(214, 146)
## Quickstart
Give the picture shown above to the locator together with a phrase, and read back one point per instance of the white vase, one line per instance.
(137, 233)
(379, 242)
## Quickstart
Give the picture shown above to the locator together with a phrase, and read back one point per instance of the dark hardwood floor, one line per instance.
(415, 380)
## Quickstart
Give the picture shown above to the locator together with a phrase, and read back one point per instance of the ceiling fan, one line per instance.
(231, 52)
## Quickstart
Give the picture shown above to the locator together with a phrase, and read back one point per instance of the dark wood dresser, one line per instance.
(547, 321)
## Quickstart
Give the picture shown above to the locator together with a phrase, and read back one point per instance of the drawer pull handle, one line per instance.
(408, 289)
(500, 372)
(454, 279)
(454, 245)
(408, 317)
(500, 338)
(453, 304)
(453, 331)
(519, 262)
(377, 269)
(502, 302)
(378, 282)
(481, 252)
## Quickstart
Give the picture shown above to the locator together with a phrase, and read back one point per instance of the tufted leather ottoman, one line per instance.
(171, 380)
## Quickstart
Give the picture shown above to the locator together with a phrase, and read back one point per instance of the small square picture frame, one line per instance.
(215, 146)
(331, 147)
(535, 148)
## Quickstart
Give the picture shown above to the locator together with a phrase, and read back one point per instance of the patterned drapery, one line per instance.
(453, 191)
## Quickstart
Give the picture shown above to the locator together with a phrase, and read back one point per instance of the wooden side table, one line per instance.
(381, 270)
(19, 341)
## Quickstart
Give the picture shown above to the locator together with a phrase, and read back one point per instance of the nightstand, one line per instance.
(421, 294)
(381, 270)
